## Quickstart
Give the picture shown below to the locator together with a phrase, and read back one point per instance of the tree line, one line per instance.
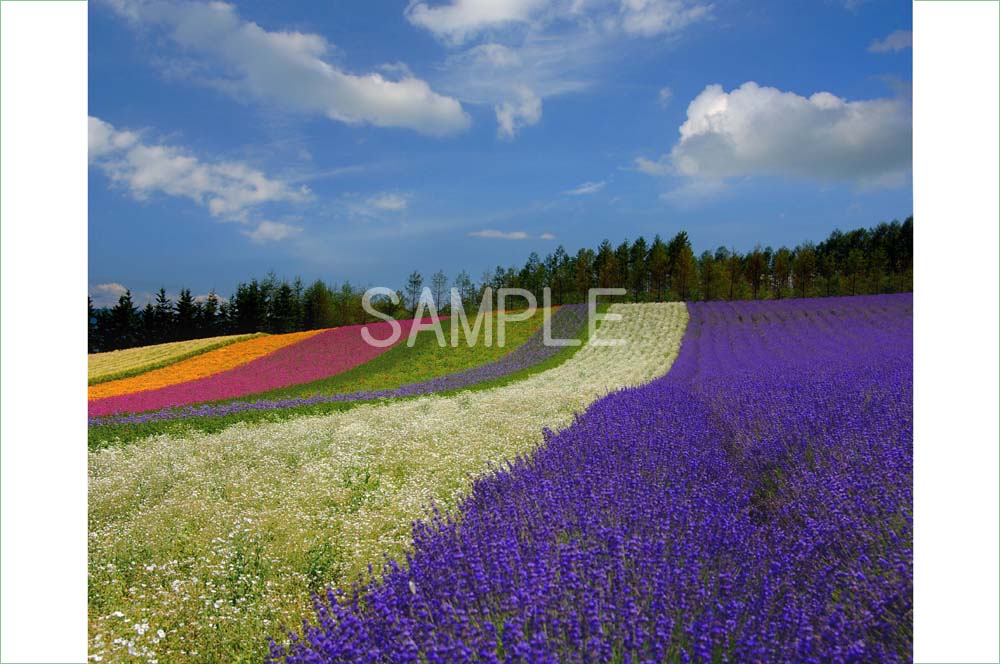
(861, 261)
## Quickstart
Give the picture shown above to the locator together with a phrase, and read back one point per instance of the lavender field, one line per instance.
(753, 504)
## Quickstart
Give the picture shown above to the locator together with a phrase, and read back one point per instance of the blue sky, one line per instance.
(361, 140)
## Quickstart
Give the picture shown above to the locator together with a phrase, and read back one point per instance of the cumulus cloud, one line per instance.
(106, 295)
(103, 139)
(228, 189)
(288, 70)
(270, 231)
(586, 188)
(756, 130)
(203, 298)
(648, 18)
(897, 41)
(546, 236)
(514, 115)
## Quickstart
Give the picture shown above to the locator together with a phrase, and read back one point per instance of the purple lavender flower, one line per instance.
(753, 505)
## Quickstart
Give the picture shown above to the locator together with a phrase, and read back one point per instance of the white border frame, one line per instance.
(956, 334)
(43, 262)
(43, 275)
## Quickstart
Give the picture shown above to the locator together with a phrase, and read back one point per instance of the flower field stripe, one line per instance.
(218, 539)
(312, 356)
(753, 505)
(567, 322)
(101, 433)
(425, 360)
(118, 364)
(212, 362)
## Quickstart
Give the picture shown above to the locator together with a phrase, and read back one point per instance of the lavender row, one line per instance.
(566, 323)
(753, 505)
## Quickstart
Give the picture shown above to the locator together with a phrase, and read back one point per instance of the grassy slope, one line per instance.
(411, 365)
(118, 364)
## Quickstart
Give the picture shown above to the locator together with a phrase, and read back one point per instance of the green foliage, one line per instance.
(861, 261)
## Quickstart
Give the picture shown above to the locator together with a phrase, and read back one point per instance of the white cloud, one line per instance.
(546, 64)
(103, 139)
(271, 231)
(330, 173)
(376, 205)
(664, 95)
(110, 288)
(517, 54)
(512, 116)
(500, 235)
(495, 55)
(693, 192)
(661, 166)
(897, 41)
(288, 70)
(756, 130)
(228, 189)
(389, 202)
(512, 235)
(203, 298)
(106, 295)
(516, 79)
(458, 20)
(648, 18)
(586, 188)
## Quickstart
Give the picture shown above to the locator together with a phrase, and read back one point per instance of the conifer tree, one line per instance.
(414, 286)
(186, 316)
(164, 318)
(124, 323)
